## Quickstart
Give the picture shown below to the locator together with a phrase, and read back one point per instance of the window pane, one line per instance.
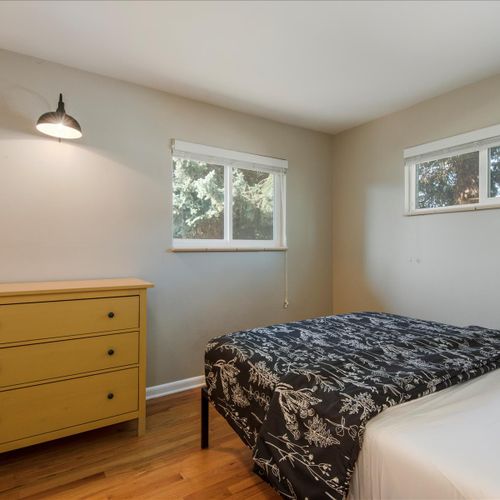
(494, 156)
(253, 205)
(448, 181)
(198, 200)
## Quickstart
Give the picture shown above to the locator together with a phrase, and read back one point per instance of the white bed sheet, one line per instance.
(443, 446)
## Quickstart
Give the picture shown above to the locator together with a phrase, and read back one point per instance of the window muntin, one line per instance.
(226, 199)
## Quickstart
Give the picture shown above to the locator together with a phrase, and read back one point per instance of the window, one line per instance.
(494, 171)
(226, 199)
(457, 173)
(448, 181)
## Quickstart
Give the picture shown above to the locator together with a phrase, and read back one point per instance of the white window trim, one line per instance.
(234, 159)
(477, 140)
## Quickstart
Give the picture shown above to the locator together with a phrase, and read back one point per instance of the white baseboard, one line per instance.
(157, 391)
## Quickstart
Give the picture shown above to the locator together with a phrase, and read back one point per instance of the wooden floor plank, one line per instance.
(112, 463)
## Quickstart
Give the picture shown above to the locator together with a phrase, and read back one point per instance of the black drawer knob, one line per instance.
(111, 395)
(111, 352)
(111, 314)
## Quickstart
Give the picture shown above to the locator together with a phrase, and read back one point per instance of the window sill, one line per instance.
(228, 249)
(455, 208)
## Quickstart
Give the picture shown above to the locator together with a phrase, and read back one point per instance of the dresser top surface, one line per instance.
(41, 287)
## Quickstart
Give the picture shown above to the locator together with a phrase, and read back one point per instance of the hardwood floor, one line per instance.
(166, 463)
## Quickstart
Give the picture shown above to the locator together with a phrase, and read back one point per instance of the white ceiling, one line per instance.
(322, 65)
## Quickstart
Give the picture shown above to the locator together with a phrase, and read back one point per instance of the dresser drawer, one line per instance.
(36, 362)
(40, 320)
(50, 407)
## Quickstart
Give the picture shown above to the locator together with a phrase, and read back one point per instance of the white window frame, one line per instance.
(234, 159)
(477, 140)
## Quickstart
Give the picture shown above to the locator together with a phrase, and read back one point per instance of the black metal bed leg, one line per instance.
(204, 418)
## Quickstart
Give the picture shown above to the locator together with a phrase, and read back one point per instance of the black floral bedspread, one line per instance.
(300, 394)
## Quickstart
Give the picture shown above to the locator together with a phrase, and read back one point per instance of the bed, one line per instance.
(305, 396)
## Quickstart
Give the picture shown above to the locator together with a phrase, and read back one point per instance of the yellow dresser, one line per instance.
(72, 358)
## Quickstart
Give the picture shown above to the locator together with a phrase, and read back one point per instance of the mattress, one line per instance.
(443, 446)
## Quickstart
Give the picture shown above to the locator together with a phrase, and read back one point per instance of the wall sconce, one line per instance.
(59, 124)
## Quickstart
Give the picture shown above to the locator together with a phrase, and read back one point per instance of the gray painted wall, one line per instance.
(442, 266)
(100, 207)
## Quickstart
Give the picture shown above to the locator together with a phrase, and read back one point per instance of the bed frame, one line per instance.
(204, 418)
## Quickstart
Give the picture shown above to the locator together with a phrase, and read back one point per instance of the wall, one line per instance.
(100, 207)
(441, 266)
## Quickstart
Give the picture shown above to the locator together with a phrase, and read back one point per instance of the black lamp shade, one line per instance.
(59, 124)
